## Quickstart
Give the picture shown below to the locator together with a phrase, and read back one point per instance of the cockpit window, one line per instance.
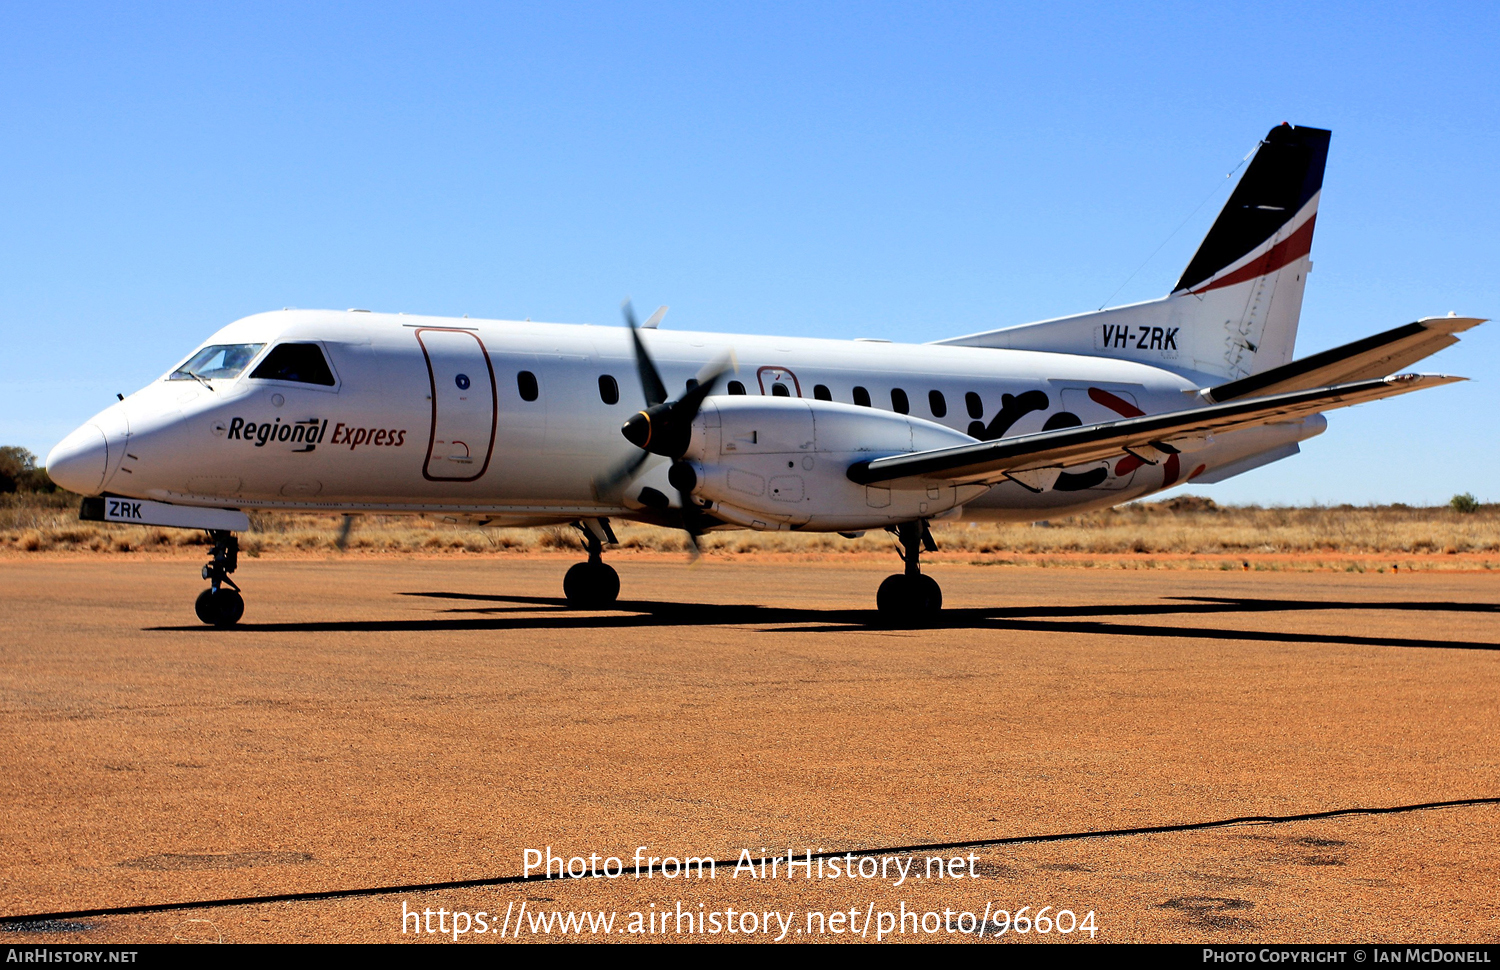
(220, 360)
(302, 363)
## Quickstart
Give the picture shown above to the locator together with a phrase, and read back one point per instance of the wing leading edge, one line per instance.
(1028, 459)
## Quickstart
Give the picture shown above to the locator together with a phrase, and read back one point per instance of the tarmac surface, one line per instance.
(405, 722)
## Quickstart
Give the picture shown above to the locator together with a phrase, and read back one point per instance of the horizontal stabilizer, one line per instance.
(991, 461)
(1376, 356)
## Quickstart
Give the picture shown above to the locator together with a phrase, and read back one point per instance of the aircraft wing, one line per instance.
(1033, 460)
(1376, 356)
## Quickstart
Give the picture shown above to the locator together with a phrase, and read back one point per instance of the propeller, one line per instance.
(664, 428)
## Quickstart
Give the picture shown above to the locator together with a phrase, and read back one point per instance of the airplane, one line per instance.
(517, 423)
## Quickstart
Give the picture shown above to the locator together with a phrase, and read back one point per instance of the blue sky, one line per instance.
(908, 171)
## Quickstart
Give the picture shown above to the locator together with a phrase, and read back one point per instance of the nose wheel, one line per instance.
(593, 585)
(910, 598)
(221, 605)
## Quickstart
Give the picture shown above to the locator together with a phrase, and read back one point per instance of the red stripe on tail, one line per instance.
(1293, 247)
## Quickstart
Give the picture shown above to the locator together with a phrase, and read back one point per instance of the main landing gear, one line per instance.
(221, 604)
(593, 585)
(910, 597)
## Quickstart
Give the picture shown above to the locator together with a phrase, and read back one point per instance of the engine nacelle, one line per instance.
(774, 463)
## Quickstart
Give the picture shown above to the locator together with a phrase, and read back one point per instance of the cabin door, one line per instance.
(464, 405)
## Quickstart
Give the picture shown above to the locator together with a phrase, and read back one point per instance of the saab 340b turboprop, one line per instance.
(521, 423)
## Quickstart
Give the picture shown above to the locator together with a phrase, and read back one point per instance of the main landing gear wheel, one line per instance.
(221, 604)
(910, 598)
(220, 607)
(593, 585)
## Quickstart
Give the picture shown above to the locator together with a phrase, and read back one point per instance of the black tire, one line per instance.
(908, 600)
(609, 584)
(220, 608)
(933, 594)
(892, 597)
(591, 586)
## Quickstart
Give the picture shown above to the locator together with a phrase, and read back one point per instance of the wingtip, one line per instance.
(1425, 380)
(1452, 323)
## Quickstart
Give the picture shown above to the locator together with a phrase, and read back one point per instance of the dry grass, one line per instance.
(1182, 533)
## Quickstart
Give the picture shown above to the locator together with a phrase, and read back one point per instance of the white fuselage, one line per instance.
(436, 415)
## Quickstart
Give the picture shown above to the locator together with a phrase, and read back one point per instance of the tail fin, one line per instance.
(1253, 263)
(1234, 312)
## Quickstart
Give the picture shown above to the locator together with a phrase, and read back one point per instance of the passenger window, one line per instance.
(735, 387)
(780, 390)
(861, 397)
(974, 404)
(526, 384)
(609, 389)
(302, 363)
(822, 393)
(937, 404)
(899, 403)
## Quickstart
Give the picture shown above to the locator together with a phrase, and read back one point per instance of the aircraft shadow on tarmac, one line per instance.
(543, 612)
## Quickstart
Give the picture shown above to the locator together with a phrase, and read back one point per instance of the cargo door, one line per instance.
(464, 405)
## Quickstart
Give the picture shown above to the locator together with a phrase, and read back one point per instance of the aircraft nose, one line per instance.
(80, 460)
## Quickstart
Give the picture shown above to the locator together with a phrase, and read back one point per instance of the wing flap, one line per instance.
(991, 461)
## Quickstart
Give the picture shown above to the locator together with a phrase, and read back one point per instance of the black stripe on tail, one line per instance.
(1285, 173)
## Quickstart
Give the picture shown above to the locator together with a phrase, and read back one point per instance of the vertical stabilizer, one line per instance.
(1234, 311)
(1252, 266)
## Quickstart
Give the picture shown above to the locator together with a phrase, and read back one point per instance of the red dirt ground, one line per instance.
(351, 735)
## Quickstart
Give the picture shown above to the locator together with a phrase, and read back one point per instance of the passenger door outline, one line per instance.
(777, 378)
(432, 438)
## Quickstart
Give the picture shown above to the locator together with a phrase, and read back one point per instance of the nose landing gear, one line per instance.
(593, 585)
(221, 604)
(910, 597)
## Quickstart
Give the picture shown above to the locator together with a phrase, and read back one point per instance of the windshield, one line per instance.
(220, 360)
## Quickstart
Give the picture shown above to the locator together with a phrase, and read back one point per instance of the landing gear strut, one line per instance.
(593, 585)
(910, 596)
(221, 604)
